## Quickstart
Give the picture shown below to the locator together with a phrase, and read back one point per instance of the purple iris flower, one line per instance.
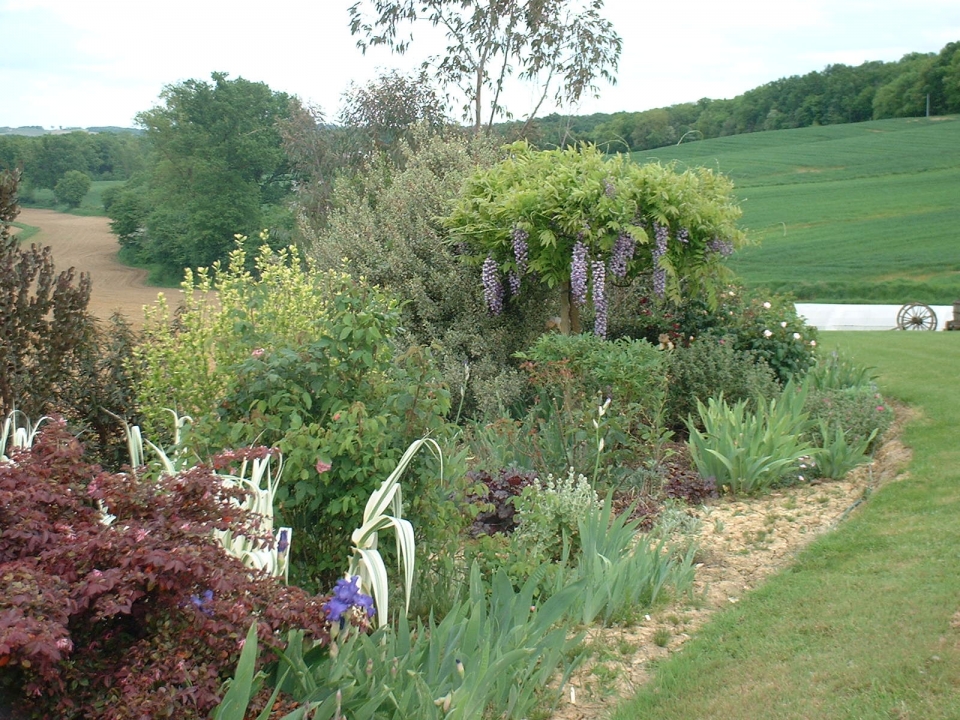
(347, 595)
(283, 543)
(201, 603)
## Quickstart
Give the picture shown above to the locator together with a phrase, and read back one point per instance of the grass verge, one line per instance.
(26, 231)
(863, 625)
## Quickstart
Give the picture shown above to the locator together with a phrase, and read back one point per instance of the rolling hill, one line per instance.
(864, 212)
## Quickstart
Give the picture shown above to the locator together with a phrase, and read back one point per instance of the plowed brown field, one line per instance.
(87, 244)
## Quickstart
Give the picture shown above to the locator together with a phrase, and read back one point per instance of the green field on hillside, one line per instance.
(867, 212)
(92, 203)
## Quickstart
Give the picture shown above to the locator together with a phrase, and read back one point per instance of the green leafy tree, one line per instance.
(72, 188)
(575, 220)
(386, 109)
(218, 168)
(491, 40)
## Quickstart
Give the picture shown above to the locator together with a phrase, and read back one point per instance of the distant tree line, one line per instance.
(45, 159)
(837, 94)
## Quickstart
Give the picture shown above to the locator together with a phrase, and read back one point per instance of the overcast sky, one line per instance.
(99, 62)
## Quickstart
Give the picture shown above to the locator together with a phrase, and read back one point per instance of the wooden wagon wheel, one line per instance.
(916, 316)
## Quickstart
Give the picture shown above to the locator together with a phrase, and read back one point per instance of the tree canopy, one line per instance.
(546, 41)
(218, 169)
(574, 219)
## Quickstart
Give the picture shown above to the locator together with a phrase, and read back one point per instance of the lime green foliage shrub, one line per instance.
(546, 218)
(306, 361)
(384, 223)
(711, 366)
(549, 513)
(749, 452)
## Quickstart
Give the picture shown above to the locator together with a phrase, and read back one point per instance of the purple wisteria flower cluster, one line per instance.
(492, 286)
(683, 235)
(346, 596)
(521, 253)
(578, 273)
(724, 248)
(599, 297)
(622, 254)
(661, 235)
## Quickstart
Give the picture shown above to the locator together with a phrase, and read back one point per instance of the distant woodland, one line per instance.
(226, 157)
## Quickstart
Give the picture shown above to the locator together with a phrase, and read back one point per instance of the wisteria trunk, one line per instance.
(569, 311)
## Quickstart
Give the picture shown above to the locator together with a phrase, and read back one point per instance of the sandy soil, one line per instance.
(87, 244)
(742, 543)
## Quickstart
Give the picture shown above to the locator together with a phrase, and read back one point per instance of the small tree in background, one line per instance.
(72, 188)
(575, 220)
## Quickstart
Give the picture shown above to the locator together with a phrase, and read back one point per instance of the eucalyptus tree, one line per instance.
(564, 46)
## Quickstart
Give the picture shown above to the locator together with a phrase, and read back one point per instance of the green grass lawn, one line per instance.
(862, 625)
(847, 213)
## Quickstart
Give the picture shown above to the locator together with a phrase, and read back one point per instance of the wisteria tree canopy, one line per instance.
(576, 219)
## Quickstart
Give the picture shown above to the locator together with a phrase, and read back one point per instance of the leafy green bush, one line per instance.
(767, 325)
(709, 367)
(384, 223)
(860, 410)
(549, 514)
(574, 375)
(749, 452)
(72, 187)
(307, 361)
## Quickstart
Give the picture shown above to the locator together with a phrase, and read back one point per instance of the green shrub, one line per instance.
(549, 514)
(749, 452)
(573, 376)
(307, 361)
(72, 187)
(767, 325)
(860, 411)
(384, 223)
(709, 367)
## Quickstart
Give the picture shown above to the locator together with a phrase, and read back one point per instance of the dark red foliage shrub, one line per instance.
(142, 618)
(496, 513)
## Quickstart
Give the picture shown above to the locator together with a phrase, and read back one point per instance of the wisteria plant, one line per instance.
(576, 220)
